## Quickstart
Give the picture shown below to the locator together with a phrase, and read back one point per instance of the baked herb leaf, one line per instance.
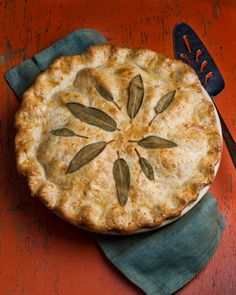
(86, 154)
(121, 175)
(145, 166)
(65, 132)
(92, 116)
(106, 94)
(154, 142)
(135, 98)
(163, 103)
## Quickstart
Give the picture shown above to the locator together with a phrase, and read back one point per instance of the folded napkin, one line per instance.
(23, 75)
(161, 261)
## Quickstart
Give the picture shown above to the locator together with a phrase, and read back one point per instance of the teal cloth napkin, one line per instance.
(161, 261)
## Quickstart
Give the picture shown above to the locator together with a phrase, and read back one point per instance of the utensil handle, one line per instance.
(228, 138)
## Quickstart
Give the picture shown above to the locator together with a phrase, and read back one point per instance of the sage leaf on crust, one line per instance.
(136, 94)
(106, 94)
(154, 142)
(86, 154)
(163, 103)
(122, 178)
(65, 132)
(145, 166)
(92, 116)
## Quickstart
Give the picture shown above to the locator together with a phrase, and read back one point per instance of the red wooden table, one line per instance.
(39, 253)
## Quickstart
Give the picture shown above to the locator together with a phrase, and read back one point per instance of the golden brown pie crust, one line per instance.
(88, 197)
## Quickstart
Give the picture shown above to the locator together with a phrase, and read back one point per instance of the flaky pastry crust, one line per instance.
(88, 197)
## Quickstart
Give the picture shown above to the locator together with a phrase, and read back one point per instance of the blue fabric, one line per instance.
(161, 261)
(23, 75)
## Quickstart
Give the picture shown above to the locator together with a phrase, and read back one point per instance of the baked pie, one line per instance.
(117, 139)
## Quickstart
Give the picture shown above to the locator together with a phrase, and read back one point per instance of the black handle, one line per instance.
(229, 141)
(216, 83)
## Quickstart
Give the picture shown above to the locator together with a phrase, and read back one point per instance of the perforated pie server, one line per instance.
(189, 48)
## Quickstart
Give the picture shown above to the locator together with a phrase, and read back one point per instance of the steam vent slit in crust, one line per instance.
(117, 139)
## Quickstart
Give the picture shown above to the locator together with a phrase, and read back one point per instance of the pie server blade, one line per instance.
(189, 48)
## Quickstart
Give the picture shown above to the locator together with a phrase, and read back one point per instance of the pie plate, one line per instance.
(63, 95)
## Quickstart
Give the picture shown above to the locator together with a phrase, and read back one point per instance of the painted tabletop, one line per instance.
(41, 254)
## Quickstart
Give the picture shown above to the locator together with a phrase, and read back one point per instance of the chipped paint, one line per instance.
(216, 7)
(1, 59)
(11, 54)
(230, 183)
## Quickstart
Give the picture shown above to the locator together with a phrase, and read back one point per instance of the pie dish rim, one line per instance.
(43, 197)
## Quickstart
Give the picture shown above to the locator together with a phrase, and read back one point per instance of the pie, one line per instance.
(117, 139)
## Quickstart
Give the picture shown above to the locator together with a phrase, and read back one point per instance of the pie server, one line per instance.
(190, 49)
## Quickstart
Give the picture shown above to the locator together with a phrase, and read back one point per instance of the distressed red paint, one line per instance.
(198, 53)
(208, 76)
(186, 41)
(185, 57)
(203, 65)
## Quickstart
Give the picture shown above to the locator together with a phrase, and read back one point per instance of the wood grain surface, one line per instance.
(39, 253)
